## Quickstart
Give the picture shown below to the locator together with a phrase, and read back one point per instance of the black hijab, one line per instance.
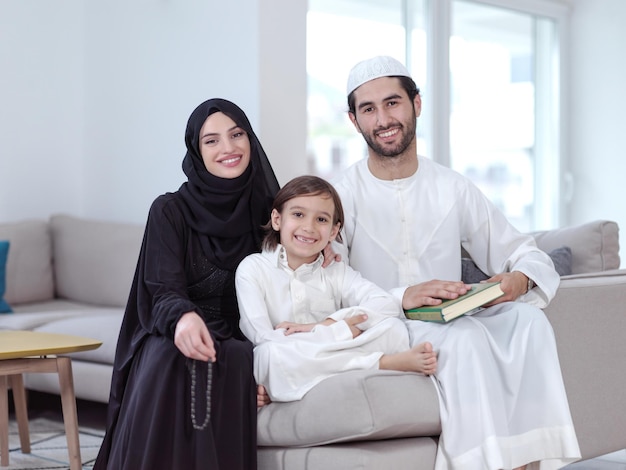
(227, 213)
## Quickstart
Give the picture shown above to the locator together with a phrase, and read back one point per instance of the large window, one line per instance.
(339, 34)
(489, 74)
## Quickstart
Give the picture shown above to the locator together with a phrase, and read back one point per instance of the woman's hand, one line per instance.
(193, 339)
(262, 397)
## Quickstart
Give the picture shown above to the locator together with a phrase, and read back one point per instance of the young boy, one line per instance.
(308, 322)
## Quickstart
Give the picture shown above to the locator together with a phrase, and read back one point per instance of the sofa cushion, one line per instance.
(594, 245)
(33, 316)
(100, 324)
(94, 261)
(31, 320)
(29, 275)
(53, 306)
(4, 253)
(354, 406)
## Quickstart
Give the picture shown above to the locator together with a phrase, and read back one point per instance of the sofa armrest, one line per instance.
(588, 315)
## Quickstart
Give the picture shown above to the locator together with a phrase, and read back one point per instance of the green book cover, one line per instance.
(467, 304)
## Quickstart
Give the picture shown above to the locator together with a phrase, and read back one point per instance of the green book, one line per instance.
(467, 304)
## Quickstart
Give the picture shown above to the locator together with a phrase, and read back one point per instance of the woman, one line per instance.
(180, 348)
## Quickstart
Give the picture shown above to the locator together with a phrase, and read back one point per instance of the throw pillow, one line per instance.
(561, 257)
(470, 273)
(4, 254)
(595, 245)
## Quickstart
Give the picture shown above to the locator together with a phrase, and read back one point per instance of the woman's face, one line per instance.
(224, 146)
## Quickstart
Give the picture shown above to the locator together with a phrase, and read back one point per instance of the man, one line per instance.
(502, 399)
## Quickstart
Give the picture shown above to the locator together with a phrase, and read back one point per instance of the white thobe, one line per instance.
(270, 292)
(502, 399)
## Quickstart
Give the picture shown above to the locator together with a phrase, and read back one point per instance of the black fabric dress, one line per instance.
(158, 416)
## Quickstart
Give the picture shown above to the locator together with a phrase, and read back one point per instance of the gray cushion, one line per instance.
(94, 262)
(354, 406)
(100, 324)
(53, 306)
(561, 257)
(594, 245)
(29, 265)
(36, 315)
(31, 320)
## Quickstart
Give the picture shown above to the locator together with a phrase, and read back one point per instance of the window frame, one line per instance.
(547, 172)
(553, 188)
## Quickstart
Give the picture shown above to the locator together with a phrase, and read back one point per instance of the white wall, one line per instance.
(148, 64)
(95, 96)
(41, 107)
(597, 118)
(283, 82)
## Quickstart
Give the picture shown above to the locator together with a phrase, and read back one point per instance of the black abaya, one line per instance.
(193, 242)
(150, 423)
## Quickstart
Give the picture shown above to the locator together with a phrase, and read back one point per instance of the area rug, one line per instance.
(49, 446)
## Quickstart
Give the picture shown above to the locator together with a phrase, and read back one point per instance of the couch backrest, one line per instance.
(94, 261)
(29, 273)
(594, 245)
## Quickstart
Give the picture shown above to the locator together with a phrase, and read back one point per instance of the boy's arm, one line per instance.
(252, 286)
(255, 321)
(360, 295)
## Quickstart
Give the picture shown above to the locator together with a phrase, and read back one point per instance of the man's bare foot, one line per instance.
(420, 358)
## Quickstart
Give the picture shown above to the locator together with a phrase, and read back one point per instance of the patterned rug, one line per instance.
(49, 446)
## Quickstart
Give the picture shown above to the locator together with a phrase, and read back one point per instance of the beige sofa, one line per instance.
(72, 275)
(382, 419)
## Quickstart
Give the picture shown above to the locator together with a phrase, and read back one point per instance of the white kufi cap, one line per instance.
(376, 67)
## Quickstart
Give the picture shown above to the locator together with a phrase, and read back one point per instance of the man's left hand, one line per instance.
(330, 255)
(513, 285)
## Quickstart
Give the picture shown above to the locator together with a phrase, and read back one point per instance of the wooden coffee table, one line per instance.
(28, 352)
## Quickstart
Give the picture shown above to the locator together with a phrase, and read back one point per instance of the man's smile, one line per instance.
(386, 134)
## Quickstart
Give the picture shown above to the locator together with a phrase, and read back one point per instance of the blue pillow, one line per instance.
(4, 253)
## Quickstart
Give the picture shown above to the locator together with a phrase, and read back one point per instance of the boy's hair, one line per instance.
(307, 185)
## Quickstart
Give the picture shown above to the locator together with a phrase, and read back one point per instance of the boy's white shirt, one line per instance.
(270, 292)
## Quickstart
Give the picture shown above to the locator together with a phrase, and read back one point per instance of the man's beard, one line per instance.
(408, 130)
